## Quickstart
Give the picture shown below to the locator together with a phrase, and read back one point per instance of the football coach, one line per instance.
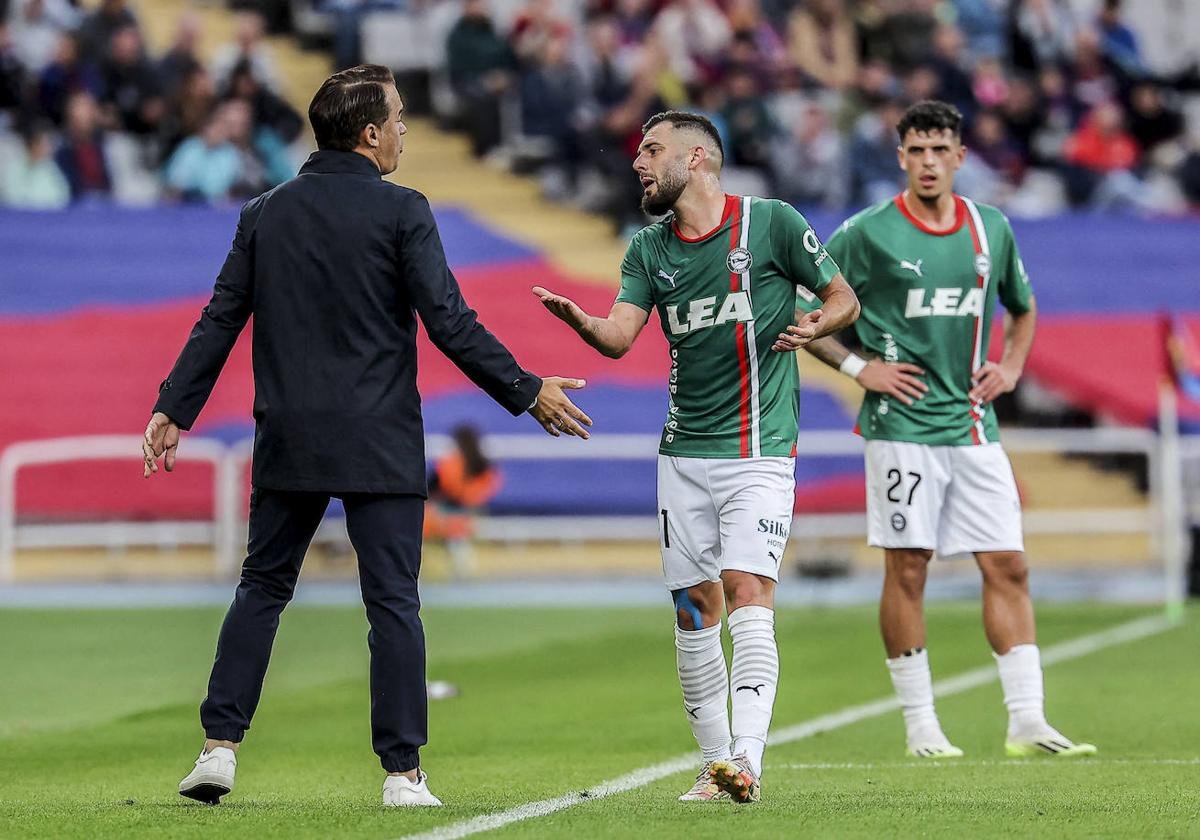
(335, 266)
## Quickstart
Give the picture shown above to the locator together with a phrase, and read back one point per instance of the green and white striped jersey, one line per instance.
(928, 298)
(722, 299)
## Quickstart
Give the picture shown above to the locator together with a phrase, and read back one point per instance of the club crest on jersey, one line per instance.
(739, 260)
(983, 264)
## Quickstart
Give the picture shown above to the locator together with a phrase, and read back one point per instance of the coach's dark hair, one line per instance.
(930, 115)
(347, 102)
(688, 120)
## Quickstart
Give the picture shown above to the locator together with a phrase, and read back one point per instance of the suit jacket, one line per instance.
(335, 265)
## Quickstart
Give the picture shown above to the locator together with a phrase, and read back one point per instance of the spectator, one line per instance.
(83, 156)
(31, 180)
(991, 143)
(947, 62)
(182, 59)
(989, 85)
(36, 28)
(1046, 31)
(808, 166)
(1091, 82)
(66, 74)
(12, 74)
(873, 85)
(1021, 114)
(751, 129)
(480, 67)
(132, 92)
(208, 166)
(536, 25)
(188, 109)
(1118, 43)
(633, 19)
(248, 46)
(1103, 155)
(1060, 112)
(550, 89)
(752, 28)
(908, 30)
(982, 23)
(1151, 123)
(460, 486)
(95, 35)
(695, 34)
(874, 172)
(269, 110)
(823, 44)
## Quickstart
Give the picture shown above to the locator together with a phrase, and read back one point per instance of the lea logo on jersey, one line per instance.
(703, 313)
(926, 303)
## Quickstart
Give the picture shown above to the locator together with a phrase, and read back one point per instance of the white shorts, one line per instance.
(949, 499)
(720, 514)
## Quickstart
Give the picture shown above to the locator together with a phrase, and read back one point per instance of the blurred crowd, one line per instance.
(1062, 109)
(87, 113)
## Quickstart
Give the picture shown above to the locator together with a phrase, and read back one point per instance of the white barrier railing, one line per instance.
(1163, 519)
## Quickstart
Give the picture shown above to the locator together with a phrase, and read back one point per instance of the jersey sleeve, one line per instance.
(1012, 282)
(636, 287)
(803, 258)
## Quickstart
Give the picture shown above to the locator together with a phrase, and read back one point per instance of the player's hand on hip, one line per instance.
(798, 335)
(161, 438)
(991, 381)
(555, 411)
(561, 307)
(896, 379)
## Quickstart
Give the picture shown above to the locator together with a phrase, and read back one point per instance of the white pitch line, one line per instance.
(1063, 652)
(950, 764)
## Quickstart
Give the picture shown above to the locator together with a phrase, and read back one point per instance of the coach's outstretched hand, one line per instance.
(162, 436)
(555, 411)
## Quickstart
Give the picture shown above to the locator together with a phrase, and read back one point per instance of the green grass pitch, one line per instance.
(98, 723)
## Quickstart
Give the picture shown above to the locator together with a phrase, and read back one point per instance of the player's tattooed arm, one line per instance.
(612, 336)
(992, 379)
(896, 379)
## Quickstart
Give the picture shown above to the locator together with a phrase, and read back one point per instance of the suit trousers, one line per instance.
(385, 531)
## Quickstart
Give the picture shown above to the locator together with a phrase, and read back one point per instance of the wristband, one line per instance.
(852, 365)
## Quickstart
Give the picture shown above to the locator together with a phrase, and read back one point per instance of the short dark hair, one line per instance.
(347, 102)
(687, 119)
(930, 115)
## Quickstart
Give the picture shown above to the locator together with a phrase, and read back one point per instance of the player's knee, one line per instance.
(743, 589)
(909, 569)
(692, 610)
(1006, 568)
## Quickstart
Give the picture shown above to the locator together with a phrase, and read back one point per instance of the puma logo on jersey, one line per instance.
(703, 313)
(943, 302)
(670, 278)
(915, 268)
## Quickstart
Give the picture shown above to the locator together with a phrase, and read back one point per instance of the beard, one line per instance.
(670, 187)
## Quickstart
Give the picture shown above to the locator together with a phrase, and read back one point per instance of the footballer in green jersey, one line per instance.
(929, 268)
(722, 272)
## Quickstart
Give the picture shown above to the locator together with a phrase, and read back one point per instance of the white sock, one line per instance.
(1021, 677)
(705, 683)
(914, 688)
(754, 676)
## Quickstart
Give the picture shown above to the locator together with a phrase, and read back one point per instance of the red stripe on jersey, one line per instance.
(976, 417)
(735, 230)
(731, 204)
(960, 216)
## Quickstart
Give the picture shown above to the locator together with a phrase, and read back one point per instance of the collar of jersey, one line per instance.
(731, 203)
(960, 216)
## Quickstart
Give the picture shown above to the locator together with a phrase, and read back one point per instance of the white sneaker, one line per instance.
(401, 792)
(212, 777)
